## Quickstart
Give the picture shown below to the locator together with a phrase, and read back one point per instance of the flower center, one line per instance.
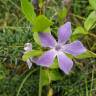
(57, 47)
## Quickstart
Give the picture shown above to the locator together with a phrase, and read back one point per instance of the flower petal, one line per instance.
(29, 63)
(64, 32)
(27, 47)
(74, 48)
(47, 40)
(65, 63)
(47, 58)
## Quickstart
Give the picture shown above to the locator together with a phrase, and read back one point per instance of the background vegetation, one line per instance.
(15, 77)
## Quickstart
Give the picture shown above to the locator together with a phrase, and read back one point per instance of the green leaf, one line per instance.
(28, 10)
(62, 14)
(41, 24)
(47, 30)
(80, 30)
(78, 33)
(55, 64)
(93, 4)
(36, 38)
(41, 2)
(54, 75)
(87, 54)
(32, 53)
(49, 75)
(2, 72)
(90, 21)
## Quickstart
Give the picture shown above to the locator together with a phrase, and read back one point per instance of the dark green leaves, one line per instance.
(32, 53)
(90, 21)
(49, 75)
(41, 24)
(28, 10)
(93, 4)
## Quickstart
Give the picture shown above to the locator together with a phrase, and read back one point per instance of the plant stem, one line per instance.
(40, 83)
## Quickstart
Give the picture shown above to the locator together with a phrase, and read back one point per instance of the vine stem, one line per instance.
(40, 83)
(24, 80)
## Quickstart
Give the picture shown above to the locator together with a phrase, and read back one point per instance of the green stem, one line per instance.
(80, 17)
(40, 83)
(86, 82)
(24, 80)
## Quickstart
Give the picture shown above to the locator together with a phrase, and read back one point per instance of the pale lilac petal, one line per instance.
(27, 47)
(47, 40)
(47, 58)
(64, 32)
(29, 63)
(74, 48)
(65, 63)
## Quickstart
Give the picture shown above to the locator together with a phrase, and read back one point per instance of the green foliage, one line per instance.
(49, 75)
(62, 14)
(32, 53)
(87, 54)
(90, 21)
(93, 4)
(36, 38)
(41, 3)
(80, 30)
(28, 10)
(41, 24)
(3, 72)
(15, 31)
(55, 64)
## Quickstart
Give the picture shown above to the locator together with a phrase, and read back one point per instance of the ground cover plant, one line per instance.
(47, 48)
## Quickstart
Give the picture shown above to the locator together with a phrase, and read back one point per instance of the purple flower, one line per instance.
(27, 48)
(60, 48)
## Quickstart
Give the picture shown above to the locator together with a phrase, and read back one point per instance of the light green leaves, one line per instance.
(80, 30)
(36, 38)
(41, 24)
(28, 10)
(93, 4)
(62, 14)
(87, 54)
(90, 21)
(32, 53)
(55, 64)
